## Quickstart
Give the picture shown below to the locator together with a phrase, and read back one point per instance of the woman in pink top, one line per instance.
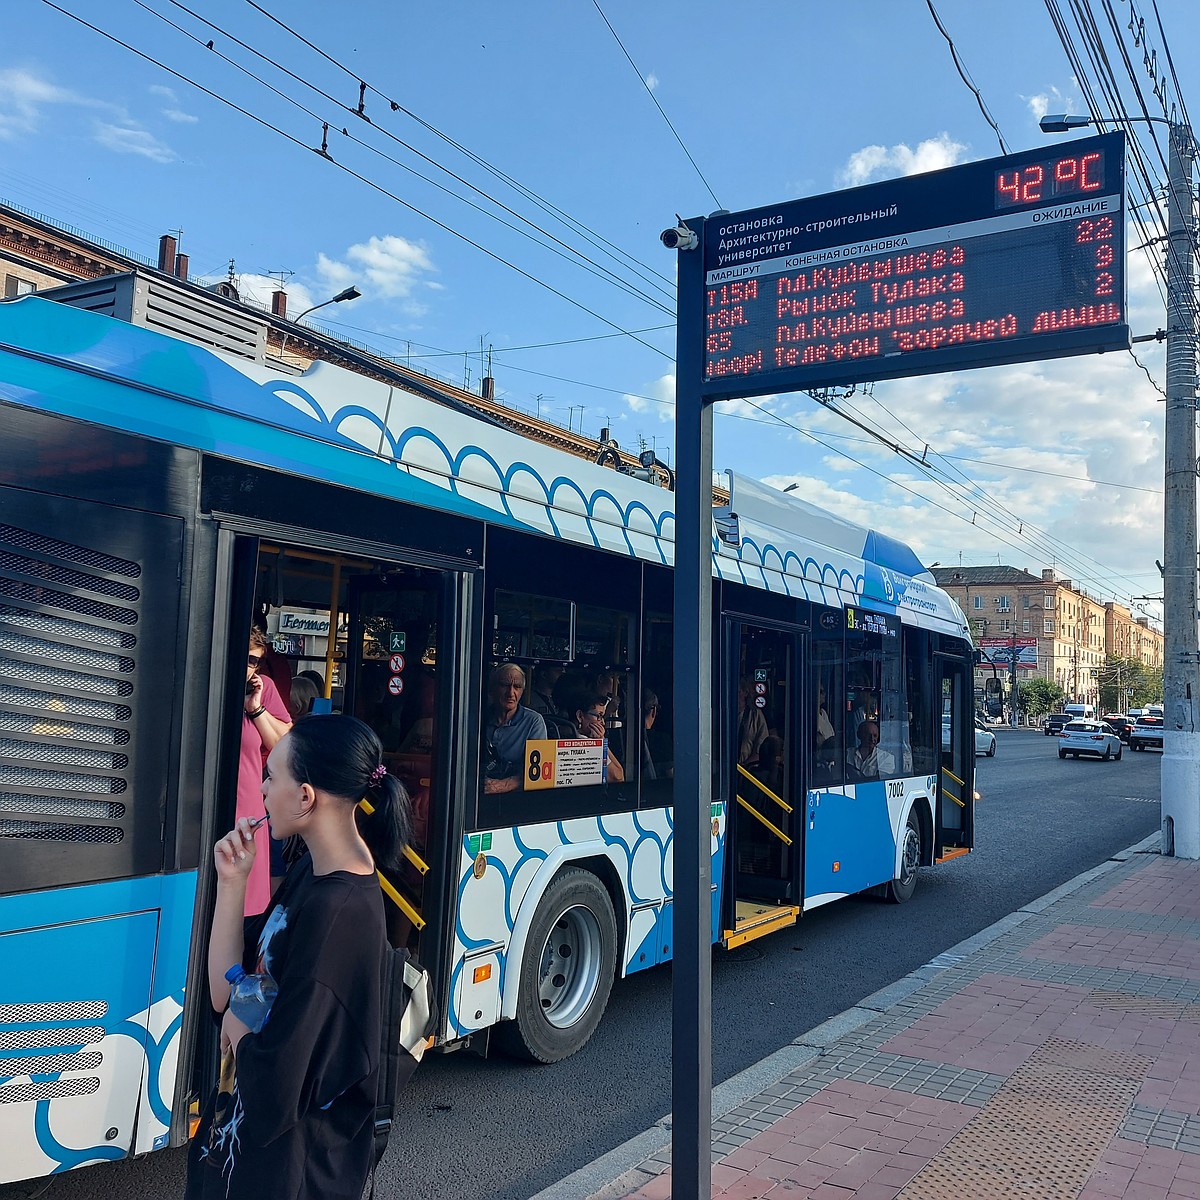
(264, 721)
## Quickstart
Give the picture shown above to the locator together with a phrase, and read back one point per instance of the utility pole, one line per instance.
(1180, 781)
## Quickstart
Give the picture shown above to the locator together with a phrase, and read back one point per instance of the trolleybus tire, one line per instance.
(567, 970)
(902, 887)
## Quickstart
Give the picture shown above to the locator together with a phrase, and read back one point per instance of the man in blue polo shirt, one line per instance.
(509, 726)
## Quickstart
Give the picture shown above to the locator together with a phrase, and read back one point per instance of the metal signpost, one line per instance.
(1008, 260)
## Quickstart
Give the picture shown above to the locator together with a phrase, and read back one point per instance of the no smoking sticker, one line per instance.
(395, 685)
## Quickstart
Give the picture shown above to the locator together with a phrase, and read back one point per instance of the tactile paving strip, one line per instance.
(1147, 1006)
(1042, 1133)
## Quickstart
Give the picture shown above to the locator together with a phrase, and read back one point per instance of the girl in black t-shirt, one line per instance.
(293, 1112)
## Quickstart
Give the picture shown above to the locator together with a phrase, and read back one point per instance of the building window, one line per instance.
(1024, 624)
(14, 285)
(1004, 626)
(1047, 624)
(1024, 601)
(977, 601)
(1002, 603)
(1047, 601)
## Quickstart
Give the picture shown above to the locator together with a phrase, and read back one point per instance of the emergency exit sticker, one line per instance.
(397, 641)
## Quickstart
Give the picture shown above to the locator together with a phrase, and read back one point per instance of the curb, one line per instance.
(615, 1174)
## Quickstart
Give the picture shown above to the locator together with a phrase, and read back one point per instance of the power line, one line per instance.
(323, 151)
(662, 111)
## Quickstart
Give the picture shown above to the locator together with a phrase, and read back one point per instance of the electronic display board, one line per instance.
(1005, 260)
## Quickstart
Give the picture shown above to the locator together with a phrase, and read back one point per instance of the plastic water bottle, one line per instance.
(250, 996)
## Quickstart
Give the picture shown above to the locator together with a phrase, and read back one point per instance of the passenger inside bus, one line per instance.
(751, 725)
(541, 693)
(588, 712)
(866, 759)
(508, 726)
(652, 766)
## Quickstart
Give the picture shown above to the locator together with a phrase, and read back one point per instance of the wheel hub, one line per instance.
(570, 966)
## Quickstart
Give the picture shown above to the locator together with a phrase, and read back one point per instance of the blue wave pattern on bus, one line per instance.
(336, 425)
(495, 907)
(112, 1033)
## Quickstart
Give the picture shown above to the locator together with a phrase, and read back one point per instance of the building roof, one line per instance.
(975, 576)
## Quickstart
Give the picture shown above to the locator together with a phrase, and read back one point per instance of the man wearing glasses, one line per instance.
(265, 719)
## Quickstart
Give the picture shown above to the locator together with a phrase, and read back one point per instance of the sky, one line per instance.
(499, 201)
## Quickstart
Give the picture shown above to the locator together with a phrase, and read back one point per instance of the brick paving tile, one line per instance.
(656, 1189)
(856, 1137)
(1145, 1191)
(806, 1173)
(899, 1177)
(886, 1145)
(832, 1156)
(744, 1158)
(750, 1187)
(828, 1192)
(724, 1176)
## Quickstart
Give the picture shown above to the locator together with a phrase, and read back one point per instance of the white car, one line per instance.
(985, 739)
(1089, 737)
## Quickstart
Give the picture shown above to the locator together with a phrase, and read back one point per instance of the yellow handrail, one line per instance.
(762, 787)
(388, 890)
(787, 841)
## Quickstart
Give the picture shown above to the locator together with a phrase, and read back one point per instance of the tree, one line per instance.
(1128, 682)
(1039, 696)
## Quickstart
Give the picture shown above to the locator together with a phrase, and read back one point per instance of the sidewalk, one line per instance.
(1055, 1054)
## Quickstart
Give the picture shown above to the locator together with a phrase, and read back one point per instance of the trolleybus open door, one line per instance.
(764, 852)
(956, 769)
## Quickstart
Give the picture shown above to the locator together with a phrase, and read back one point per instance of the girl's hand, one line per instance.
(234, 854)
(232, 1032)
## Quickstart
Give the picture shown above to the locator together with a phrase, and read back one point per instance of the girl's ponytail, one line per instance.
(387, 828)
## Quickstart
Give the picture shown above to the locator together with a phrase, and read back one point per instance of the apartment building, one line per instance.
(1056, 630)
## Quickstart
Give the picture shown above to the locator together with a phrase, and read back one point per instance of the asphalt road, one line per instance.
(504, 1130)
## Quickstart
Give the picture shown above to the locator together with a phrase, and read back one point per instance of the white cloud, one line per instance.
(883, 162)
(659, 398)
(258, 289)
(24, 96)
(388, 267)
(173, 112)
(129, 139)
(179, 116)
(652, 81)
(1053, 100)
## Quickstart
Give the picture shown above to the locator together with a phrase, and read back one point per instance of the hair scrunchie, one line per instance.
(378, 774)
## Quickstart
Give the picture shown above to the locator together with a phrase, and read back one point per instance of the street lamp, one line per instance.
(350, 293)
(1180, 779)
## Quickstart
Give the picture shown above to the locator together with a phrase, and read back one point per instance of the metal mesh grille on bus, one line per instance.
(45, 831)
(38, 1039)
(68, 652)
(63, 575)
(55, 677)
(52, 1064)
(60, 1010)
(39, 544)
(16, 1093)
(11, 722)
(28, 804)
(73, 706)
(69, 756)
(19, 643)
(65, 630)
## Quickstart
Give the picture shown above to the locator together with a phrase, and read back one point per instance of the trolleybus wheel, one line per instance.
(902, 887)
(566, 972)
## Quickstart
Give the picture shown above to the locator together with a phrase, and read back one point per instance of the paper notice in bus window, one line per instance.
(569, 762)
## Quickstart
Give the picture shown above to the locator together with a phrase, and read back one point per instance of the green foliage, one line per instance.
(1039, 696)
(1128, 683)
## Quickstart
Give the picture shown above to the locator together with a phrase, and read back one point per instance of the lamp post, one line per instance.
(1180, 781)
(350, 293)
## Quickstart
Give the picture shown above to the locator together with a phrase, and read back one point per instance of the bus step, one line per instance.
(953, 852)
(753, 920)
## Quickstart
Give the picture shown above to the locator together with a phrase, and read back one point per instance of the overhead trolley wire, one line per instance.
(371, 183)
(566, 251)
(661, 110)
(590, 235)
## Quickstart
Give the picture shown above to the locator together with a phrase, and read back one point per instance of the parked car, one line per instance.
(1089, 737)
(1054, 723)
(1121, 724)
(1148, 731)
(985, 740)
